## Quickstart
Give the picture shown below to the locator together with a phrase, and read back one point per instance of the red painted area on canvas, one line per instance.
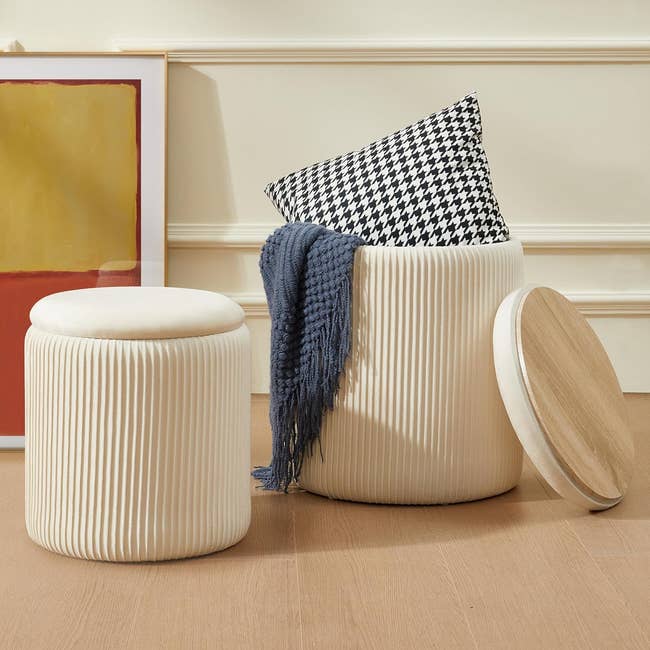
(18, 292)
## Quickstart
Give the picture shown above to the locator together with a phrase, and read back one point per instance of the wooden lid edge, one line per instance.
(516, 398)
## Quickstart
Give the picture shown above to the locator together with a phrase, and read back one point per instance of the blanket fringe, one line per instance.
(296, 421)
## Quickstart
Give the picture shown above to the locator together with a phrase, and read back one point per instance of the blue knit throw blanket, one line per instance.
(307, 273)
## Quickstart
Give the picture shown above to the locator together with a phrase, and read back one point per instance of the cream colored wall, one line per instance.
(73, 24)
(568, 141)
(567, 145)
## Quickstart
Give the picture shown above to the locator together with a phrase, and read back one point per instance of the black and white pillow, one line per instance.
(427, 184)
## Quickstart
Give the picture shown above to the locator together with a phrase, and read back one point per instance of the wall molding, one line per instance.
(251, 236)
(393, 51)
(253, 304)
(588, 235)
(613, 304)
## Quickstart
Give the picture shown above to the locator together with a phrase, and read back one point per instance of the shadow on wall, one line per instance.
(199, 179)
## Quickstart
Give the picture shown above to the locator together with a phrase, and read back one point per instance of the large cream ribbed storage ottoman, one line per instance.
(419, 417)
(137, 423)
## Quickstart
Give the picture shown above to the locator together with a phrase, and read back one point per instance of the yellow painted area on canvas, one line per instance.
(68, 176)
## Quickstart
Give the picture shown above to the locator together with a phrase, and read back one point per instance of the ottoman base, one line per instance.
(415, 501)
(462, 475)
(137, 450)
(112, 557)
(418, 418)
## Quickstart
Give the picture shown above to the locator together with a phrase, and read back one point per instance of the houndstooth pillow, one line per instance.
(427, 184)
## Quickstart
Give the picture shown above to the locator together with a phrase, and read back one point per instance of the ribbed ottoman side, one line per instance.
(137, 449)
(419, 418)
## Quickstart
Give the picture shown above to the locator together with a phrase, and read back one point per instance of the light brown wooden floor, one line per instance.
(523, 570)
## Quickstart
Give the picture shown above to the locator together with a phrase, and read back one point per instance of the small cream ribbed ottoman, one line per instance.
(137, 441)
(419, 417)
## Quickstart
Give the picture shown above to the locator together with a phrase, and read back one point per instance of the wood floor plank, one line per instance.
(245, 596)
(530, 487)
(522, 570)
(631, 576)
(526, 581)
(619, 539)
(624, 529)
(50, 601)
(220, 602)
(373, 577)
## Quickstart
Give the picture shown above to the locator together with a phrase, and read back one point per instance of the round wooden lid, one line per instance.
(563, 397)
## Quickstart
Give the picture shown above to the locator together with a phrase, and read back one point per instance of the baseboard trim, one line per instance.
(393, 51)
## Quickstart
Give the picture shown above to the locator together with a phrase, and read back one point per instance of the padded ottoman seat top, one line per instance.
(136, 313)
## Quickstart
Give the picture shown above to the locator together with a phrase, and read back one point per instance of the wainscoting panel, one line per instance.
(565, 128)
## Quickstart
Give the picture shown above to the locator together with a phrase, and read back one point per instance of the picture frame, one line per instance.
(83, 140)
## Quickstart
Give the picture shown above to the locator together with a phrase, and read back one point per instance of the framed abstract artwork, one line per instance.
(82, 188)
